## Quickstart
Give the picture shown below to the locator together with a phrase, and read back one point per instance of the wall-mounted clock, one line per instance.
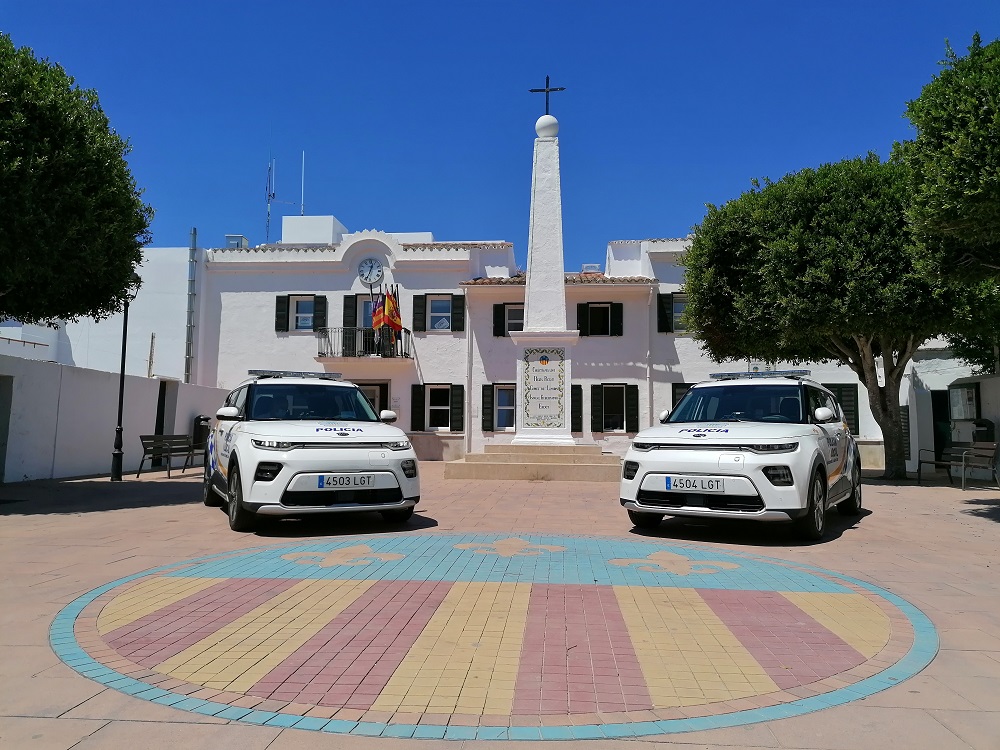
(370, 271)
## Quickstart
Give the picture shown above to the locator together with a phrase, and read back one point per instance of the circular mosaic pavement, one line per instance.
(494, 637)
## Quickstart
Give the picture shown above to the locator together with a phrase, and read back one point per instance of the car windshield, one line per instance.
(296, 401)
(741, 403)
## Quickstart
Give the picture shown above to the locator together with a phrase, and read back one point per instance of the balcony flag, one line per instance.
(379, 312)
(391, 312)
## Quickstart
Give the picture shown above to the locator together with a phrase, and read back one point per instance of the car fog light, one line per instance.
(779, 476)
(630, 469)
(266, 471)
(409, 467)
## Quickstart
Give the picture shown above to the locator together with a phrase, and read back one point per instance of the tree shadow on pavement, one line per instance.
(750, 533)
(54, 496)
(988, 509)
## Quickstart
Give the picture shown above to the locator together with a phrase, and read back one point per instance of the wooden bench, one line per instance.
(963, 457)
(166, 446)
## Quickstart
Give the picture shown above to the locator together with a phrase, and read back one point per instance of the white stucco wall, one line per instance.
(62, 419)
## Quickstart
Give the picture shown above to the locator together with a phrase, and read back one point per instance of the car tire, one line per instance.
(240, 519)
(645, 520)
(852, 505)
(397, 515)
(812, 526)
(209, 496)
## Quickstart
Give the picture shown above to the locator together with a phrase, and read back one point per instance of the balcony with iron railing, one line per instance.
(365, 342)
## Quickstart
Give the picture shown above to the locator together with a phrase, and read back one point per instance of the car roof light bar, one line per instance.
(761, 374)
(294, 374)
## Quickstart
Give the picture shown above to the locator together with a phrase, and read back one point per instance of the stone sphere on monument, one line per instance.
(547, 126)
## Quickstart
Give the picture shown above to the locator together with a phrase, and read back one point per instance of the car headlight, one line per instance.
(272, 445)
(643, 446)
(773, 447)
(399, 445)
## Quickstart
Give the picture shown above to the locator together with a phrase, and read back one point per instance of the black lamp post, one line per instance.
(116, 454)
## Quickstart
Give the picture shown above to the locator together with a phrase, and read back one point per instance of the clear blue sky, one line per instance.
(416, 116)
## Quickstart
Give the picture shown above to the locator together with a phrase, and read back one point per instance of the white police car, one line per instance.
(297, 443)
(775, 447)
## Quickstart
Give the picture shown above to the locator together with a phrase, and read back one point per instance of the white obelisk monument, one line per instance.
(544, 361)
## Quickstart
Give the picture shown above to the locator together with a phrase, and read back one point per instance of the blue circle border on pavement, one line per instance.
(922, 651)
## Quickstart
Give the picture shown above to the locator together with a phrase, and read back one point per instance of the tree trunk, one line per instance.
(885, 408)
(859, 355)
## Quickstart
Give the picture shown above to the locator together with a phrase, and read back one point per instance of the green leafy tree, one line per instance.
(820, 266)
(976, 340)
(72, 223)
(955, 161)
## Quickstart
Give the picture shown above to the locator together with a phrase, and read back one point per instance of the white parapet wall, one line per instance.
(59, 421)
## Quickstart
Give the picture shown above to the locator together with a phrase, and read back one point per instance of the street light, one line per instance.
(116, 454)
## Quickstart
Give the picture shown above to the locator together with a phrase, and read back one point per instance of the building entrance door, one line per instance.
(377, 393)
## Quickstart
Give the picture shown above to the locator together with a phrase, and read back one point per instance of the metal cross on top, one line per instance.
(546, 91)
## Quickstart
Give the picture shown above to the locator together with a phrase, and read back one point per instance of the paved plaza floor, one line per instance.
(503, 611)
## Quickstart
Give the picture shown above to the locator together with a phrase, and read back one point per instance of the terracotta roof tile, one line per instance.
(571, 278)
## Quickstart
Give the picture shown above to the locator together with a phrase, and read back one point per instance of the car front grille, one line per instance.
(329, 498)
(741, 503)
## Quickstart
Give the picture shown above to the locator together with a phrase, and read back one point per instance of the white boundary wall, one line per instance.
(62, 419)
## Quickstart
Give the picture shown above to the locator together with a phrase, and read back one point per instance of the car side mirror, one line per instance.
(387, 416)
(823, 414)
(663, 416)
(227, 413)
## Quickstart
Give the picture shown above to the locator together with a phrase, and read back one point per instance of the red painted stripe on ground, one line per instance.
(792, 647)
(156, 637)
(577, 656)
(351, 659)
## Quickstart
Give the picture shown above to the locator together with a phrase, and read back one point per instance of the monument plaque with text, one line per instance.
(544, 387)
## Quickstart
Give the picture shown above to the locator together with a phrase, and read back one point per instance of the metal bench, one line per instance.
(963, 457)
(166, 446)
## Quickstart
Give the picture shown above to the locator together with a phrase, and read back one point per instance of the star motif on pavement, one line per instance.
(359, 554)
(671, 562)
(513, 547)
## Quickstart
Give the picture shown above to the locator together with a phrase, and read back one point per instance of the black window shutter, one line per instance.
(583, 318)
(617, 318)
(417, 408)
(488, 406)
(419, 312)
(281, 313)
(350, 311)
(458, 312)
(847, 396)
(319, 312)
(499, 320)
(576, 408)
(631, 408)
(597, 408)
(457, 408)
(664, 313)
(350, 325)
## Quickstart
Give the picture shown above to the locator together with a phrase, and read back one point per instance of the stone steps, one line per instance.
(545, 463)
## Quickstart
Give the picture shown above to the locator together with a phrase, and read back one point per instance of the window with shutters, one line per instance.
(514, 318)
(678, 305)
(677, 391)
(438, 416)
(600, 318)
(439, 312)
(847, 396)
(301, 309)
(504, 407)
(300, 312)
(614, 408)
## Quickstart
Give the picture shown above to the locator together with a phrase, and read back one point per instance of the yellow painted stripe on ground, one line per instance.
(853, 617)
(238, 655)
(687, 654)
(147, 597)
(466, 659)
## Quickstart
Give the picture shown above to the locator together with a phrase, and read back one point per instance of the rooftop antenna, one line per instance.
(302, 202)
(269, 196)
